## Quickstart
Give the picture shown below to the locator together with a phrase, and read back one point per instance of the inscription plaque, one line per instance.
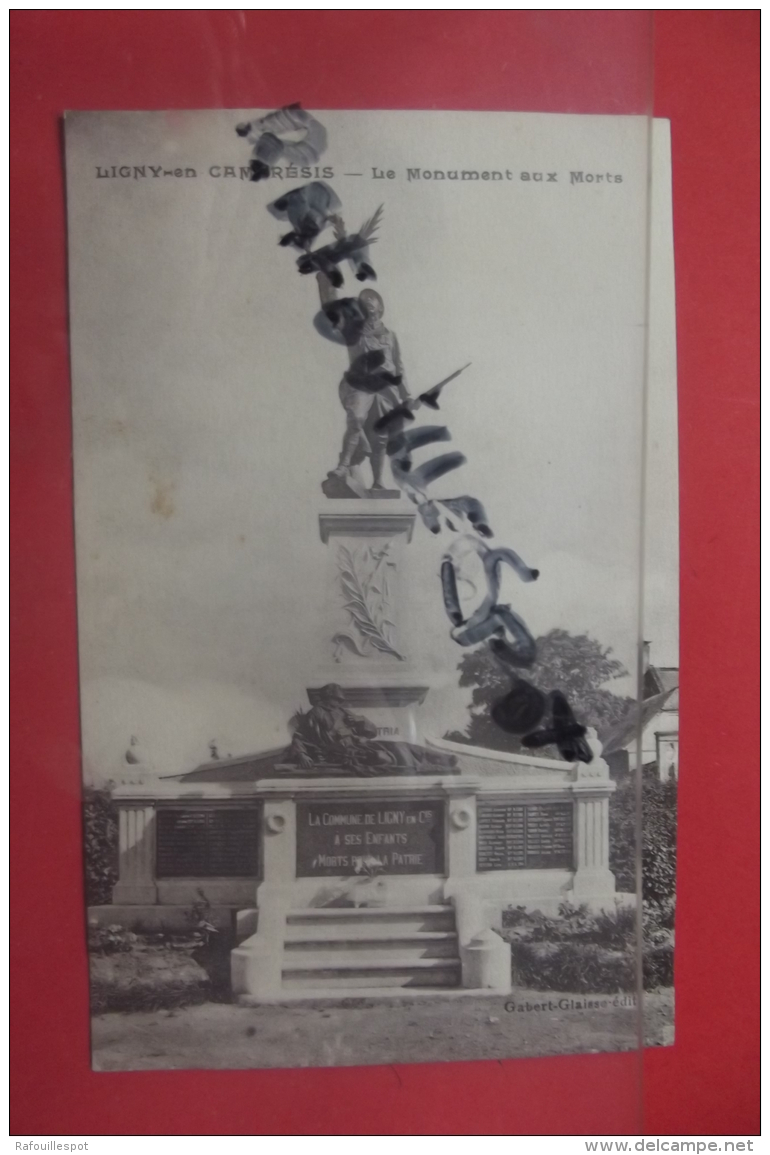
(524, 837)
(360, 838)
(207, 843)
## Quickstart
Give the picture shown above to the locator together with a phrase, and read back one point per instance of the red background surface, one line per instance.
(707, 82)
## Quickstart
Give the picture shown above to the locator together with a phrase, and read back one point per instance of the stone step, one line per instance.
(404, 996)
(336, 941)
(355, 971)
(395, 919)
(344, 912)
(355, 933)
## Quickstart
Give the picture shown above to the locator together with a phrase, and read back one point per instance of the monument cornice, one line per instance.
(368, 788)
(365, 524)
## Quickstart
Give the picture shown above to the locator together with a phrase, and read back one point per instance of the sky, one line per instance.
(206, 411)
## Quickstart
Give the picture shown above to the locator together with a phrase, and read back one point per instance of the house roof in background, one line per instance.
(662, 679)
(617, 737)
(669, 676)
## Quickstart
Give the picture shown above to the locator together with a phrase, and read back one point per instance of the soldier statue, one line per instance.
(372, 387)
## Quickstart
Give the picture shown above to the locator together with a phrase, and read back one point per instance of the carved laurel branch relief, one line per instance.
(365, 578)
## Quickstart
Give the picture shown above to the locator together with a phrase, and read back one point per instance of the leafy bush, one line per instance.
(658, 934)
(658, 920)
(568, 966)
(658, 838)
(150, 972)
(612, 929)
(658, 966)
(617, 928)
(100, 845)
(110, 939)
(583, 952)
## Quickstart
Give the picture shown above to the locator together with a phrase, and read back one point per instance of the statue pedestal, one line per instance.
(365, 635)
(352, 487)
(392, 708)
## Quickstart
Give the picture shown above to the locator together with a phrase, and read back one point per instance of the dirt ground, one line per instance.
(361, 1031)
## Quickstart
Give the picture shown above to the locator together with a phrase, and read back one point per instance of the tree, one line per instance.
(576, 665)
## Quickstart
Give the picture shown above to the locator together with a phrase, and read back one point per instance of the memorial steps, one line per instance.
(370, 948)
(431, 944)
(372, 972)
(440, 917)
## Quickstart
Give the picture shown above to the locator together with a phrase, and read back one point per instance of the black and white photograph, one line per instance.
(376, 516)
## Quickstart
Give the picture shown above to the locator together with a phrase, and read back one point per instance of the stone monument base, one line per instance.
(341, 885)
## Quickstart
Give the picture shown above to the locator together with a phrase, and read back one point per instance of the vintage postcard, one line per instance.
(373, 469)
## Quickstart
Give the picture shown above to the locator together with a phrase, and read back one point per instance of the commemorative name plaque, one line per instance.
(208, 843)
(370, 838)
(524, 837)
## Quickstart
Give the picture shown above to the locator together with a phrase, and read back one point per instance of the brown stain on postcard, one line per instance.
(162, 502)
